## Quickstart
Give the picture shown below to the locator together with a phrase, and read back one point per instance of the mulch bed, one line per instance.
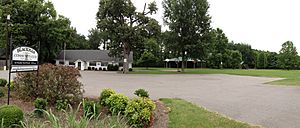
(27, 107)
(161, 117)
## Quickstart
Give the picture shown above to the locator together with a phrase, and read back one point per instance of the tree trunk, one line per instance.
(126, 59)
(182, 62)
(178, 66)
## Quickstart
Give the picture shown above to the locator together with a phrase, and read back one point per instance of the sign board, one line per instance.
(24, 59)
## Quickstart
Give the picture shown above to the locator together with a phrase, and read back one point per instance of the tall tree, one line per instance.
(147, 59)
(126, 27)
(151, 42)
(218, 47)
(236, 59)
(78, 42)
(97, 39)
(189, 22)
(288, 56)
(36, 22)
(262, 60)
(248, 55)
(219, 41)
(272, 60)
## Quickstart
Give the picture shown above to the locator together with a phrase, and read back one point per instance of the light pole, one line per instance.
(10, 58)
(7, 39)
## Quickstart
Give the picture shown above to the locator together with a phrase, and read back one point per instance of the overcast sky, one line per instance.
(264, 24)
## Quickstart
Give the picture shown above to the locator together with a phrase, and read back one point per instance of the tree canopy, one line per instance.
(189, 22)
(126, 28)
(35, 23)
(288, 56)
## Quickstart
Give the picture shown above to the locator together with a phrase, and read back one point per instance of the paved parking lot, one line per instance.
(240, 97)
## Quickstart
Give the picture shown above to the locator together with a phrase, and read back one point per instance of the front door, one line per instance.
(79, 65)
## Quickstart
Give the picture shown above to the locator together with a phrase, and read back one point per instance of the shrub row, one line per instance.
(97, 69)
(112, 67)
(137, 110)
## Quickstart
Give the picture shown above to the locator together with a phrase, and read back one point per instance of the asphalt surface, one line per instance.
(243, 98)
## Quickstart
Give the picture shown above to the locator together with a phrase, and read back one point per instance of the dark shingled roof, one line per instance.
(90, 55)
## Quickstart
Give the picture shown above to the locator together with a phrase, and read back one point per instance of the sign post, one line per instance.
(23, 59)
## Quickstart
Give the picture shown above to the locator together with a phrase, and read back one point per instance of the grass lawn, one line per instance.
(187, 115)
(292, 77)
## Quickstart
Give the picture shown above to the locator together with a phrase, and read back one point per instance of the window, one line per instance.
(92, 63)
(104, 63)
(71, 63)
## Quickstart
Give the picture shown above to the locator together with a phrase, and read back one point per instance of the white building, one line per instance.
(83, 59)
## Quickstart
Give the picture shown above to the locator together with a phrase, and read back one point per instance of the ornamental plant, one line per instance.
(3, 82)
(2, 93)
(141, 93)
(11, 116)
(52, 83)
(61, 104)
(117, 103)
(139, 111)
(40, 105)
(104, 95)
(90, 108)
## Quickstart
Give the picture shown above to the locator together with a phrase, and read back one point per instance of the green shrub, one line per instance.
(61, 104)
(12, 85)
(117, 103)
(139, 111)
(105, 94)
(2, 93)
(40, 105)
(141, 93)
(90, 108)
(55, 83)
(3, 82)
(11, 116)
(112, 67)
(130, 69)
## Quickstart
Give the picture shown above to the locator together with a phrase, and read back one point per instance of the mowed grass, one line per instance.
(187, 115)
(291, 77)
